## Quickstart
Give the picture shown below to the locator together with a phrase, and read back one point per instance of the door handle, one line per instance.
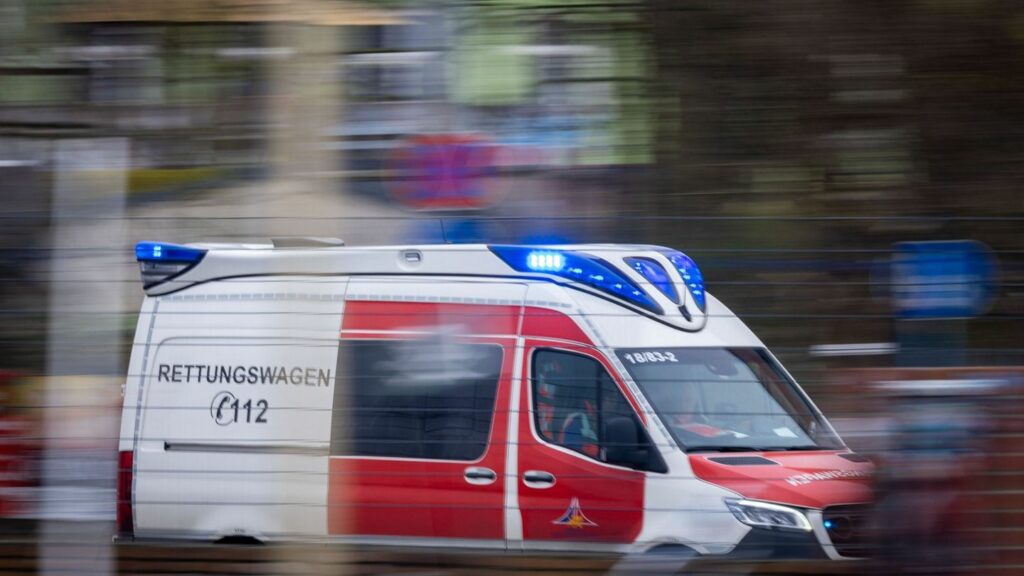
(479, 476)
(538, 479)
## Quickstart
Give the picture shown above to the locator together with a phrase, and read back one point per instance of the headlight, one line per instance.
(765, 515)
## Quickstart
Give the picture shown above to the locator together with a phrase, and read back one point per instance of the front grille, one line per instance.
(849, 527)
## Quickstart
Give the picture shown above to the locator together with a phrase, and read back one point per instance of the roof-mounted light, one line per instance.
(578, 267)
(159, 261)
(543, 261)
(690, 274)
(164, 252)
(654, 273)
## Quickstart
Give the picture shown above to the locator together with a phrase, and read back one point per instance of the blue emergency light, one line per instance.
(578, 267)
(690, 274)
(164, 252)
(160, 261)
(545, 261)
(656, 275)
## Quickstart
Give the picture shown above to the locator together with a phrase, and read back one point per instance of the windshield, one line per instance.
(727, 399)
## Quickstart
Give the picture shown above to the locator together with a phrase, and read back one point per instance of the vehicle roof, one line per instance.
(606, 271)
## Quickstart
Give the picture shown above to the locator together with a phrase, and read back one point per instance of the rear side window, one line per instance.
(429, 398)
(576, 404)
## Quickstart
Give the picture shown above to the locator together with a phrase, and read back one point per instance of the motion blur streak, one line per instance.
(847, 175)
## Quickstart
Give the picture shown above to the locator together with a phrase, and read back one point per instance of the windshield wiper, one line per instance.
(752, 448)
(724, 449)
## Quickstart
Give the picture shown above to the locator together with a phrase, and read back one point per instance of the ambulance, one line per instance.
(583, 398)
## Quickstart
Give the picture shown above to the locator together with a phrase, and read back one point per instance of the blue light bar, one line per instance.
(160, 262)
(544, 261)
(656, 275)
(163, 252)
(691, 275)
(578, 267)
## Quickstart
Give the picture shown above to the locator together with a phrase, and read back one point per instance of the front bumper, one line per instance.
(764, 544)
(819, 543)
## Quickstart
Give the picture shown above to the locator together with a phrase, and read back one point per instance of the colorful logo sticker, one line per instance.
(573, 516)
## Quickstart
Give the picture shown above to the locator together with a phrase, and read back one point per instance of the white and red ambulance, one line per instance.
(583, 398)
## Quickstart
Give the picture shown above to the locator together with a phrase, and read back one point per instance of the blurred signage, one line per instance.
(446, 172)
(943, 279)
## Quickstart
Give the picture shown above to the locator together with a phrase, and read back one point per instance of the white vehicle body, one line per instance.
(421, 396)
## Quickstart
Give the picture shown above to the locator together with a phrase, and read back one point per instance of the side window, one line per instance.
(430, 398)
(577, 405)
(565, 397)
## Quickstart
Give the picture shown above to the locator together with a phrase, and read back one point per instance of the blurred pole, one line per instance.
(84, 367)
(305, 107)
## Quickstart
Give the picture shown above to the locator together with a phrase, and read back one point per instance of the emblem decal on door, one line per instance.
(573, 516)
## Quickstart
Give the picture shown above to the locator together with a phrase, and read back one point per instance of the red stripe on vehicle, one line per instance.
(404, 316)
(545, 323)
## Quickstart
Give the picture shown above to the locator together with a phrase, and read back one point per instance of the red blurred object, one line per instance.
(17, 452)
(446, 172)
(15, 464)
(125, 524)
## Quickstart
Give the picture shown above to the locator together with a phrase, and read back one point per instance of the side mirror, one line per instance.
(622, 443)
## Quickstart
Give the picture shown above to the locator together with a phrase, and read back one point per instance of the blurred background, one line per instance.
(846, 173)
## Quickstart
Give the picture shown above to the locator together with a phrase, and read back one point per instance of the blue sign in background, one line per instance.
(942, 279)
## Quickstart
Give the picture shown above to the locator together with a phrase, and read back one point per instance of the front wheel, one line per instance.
(662, 559)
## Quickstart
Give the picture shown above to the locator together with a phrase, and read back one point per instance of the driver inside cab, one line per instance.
(683, 407)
